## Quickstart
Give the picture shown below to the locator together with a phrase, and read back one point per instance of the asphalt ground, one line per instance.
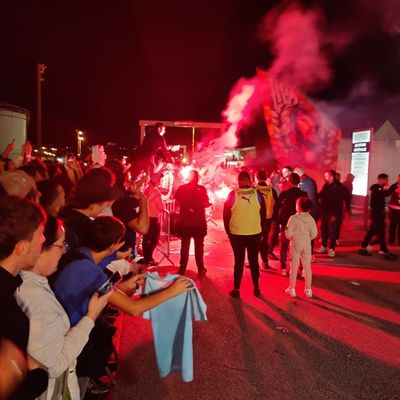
(344, 343)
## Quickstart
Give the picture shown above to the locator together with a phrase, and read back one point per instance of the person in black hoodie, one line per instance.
(377, 227)
(285, 208)
(333, 197)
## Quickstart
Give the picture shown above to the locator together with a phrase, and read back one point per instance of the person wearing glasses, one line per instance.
(60, 346)
(82, 275)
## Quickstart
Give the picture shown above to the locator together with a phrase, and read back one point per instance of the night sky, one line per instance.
(110, 64)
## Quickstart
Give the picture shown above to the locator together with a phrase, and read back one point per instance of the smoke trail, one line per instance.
(296, 44)
(234, 113)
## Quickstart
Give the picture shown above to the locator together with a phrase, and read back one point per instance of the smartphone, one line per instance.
(109, 283)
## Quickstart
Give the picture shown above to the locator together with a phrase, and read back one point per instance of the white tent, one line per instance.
(385, 154)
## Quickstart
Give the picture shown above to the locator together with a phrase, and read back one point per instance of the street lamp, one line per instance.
(40, 69)
(79, 138)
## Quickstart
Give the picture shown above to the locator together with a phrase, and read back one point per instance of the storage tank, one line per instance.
(13, 125)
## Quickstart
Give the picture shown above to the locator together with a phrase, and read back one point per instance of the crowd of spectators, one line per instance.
(68, 230)
(66, 233)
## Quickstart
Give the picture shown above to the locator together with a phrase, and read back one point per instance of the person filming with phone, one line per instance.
(81, 276)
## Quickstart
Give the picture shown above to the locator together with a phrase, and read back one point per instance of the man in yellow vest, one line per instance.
(244, 215)
(270, 196)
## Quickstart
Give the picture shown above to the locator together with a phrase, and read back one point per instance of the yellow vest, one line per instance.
(268, 196)
(245, 213)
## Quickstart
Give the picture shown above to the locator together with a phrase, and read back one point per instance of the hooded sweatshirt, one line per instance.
(301, 228)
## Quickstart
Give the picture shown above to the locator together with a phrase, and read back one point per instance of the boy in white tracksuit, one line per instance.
(300, 230)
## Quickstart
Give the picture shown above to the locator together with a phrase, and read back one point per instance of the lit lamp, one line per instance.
(80, 138)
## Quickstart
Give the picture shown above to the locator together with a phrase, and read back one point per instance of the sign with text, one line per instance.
(360, 157)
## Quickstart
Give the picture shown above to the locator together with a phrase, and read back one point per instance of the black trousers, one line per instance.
(198, 251)
(94, 356)
(274, 236)
(34, 384)
(241, 243)
(329, 230)
(339, 226)
(394, 217)
(150, 239)
(284, 247)
(376, 227)
(264, 243)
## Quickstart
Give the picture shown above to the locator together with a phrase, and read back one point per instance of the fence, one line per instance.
(166, 221)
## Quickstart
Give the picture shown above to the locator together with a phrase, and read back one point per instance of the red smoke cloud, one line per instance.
(302, 62)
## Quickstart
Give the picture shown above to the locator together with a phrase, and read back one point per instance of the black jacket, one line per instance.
(193, 200)
(378, 194)
(394, 196)
(153, 142)
(332, 197)
(286, 204)
(309, 186)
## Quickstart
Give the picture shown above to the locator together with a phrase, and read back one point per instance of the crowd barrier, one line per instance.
(167, 222)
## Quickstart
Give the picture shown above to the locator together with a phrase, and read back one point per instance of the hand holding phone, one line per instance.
(97, 304)
(109, 283)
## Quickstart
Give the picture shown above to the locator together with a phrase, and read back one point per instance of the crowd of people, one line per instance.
(65, 231)
(67, 235)
(286, 207)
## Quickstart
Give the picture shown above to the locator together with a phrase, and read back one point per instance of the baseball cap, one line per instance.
(17, 183)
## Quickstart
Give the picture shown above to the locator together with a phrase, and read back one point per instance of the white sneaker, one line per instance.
(284, 272)
(331, 253)
(290, 292)
(322, 250)
(308, 292)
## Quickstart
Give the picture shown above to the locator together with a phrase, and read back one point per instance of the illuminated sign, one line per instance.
(360, 161)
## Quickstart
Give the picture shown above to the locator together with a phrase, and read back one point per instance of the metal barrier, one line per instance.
(164, 246)
(169, 205)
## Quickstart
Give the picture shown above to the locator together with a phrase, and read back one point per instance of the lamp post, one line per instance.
(79, 138)
(40, 68)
